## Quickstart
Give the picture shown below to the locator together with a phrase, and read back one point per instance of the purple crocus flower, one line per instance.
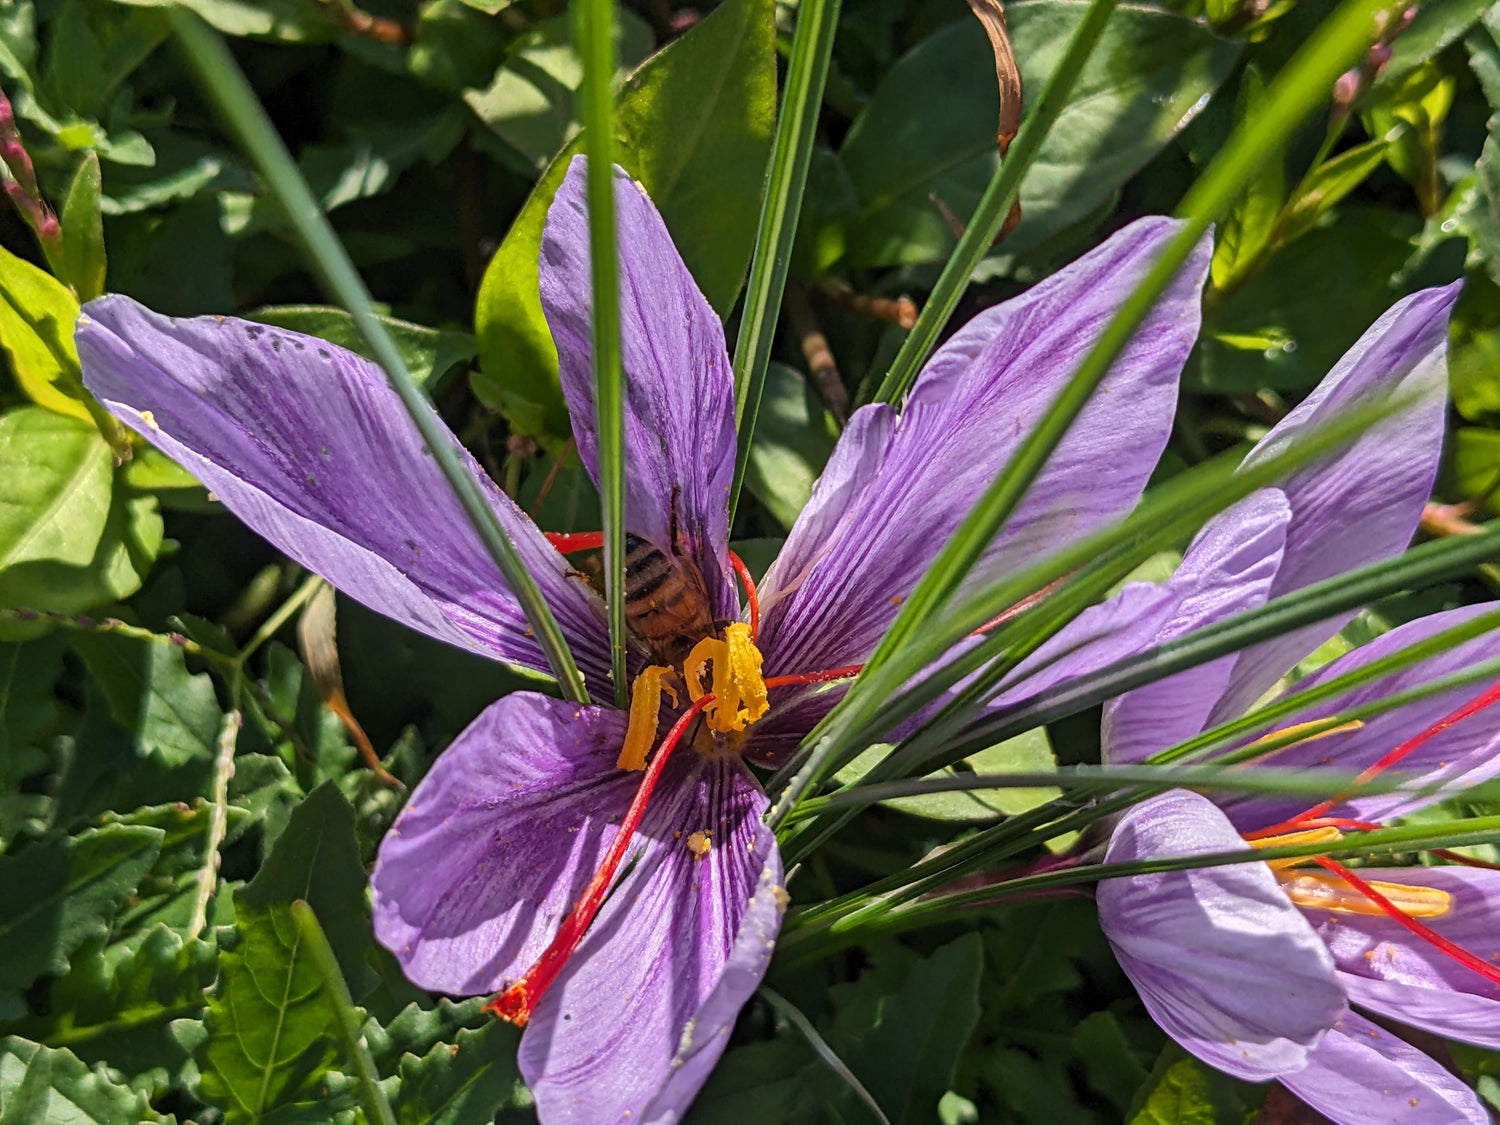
(306, 443)
(1253, 970)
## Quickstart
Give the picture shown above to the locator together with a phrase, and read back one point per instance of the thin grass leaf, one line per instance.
(791, 153)
(346, 1018)
(994, 206)
(596, 47)
(230, 91)
(794, 1016)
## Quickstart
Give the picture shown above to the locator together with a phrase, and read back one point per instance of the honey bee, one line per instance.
(666, 601)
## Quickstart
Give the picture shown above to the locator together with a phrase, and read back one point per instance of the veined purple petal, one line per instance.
(1465, 754)
(1223, 961)
(896, 487)
(1228, 569)
(499, 840)
(308, 445)
(643, 1009)
(679, 402)
(1363, 503)
(1388, 969)
(1362, 1074)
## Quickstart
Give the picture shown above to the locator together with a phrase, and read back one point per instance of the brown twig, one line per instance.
(901, 310)
(815, 350)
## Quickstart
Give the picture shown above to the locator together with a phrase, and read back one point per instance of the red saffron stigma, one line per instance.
(1426, 933)
(843, 673)
(1466, 861)
(751, 597)
(519, 1000)
(569, 541)
(1484, 699)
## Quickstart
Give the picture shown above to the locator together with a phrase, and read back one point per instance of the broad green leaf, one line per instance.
(40, 1085)
(1182, 1091)
(1278, 330)
(65, 891)
(91, 50)
(271, 1042)
(694, 127)
(464, 1081)
(1437, 24)
(905, 1046)
(794, 436)
(1329, 183)
(113, 1005)
(531, 103)
(758, 1083)
(69, 538)
(83, 232)
(929, 130)
(430, 353)
(1248, 228)
(1474, 350)
(172, 714)
(289, 21)
(37, 313)
(1476, 464)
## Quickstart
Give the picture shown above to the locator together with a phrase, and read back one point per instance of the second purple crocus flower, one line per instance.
(308, 445)
(1253, 969)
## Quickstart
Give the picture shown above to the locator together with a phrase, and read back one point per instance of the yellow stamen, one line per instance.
(645, 716)
(1325, 835)
(1342, 728)
(1319, 890)
(738, 687)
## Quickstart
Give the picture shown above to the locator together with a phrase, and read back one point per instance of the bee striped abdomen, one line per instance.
(666, 600)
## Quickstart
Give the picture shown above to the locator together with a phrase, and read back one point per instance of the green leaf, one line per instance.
(1474, 350)
(83, 232)
(1438, 23)
(694, 127)
(430, 353)
(794, 436)
(65, 891)
(1277, 330)
(37, 313)
(464, 1081)
(113, 1006)
(172, 713)
(271, 1042)
(532, 102)
(1476, 463)
(1330, 182)
(929, 131)
(1247, 229)
(1182, 1091)
(43, 1086)
(289, 21)
(904, 1046)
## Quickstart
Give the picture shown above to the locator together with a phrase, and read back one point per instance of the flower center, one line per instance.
(1321, 890)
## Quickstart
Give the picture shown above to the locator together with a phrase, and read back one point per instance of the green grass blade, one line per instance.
(596, 46)
(791, 153)
(227, 86)
(994, 206)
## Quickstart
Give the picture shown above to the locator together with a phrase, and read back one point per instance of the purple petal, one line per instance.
(897, 487)
(1390, 970)
(308, 445)
(1362, 504)
(1464, 754)
(1362, 1074)
(499, 840)
(632, 1027)
(679, 402)
(1228, 569)
(1223, 961)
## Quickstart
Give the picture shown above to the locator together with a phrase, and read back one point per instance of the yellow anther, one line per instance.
(1318, 890)
(1313, 736)
(1325, 835)
(645, 716)
(738, 687)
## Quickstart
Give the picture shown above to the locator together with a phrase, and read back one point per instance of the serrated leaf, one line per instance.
(113, 1006)
(172, 713)
(64, 891)
(694, 127)
(465, 1081)
(271, 1043)
(37, 313)
(43, 1086)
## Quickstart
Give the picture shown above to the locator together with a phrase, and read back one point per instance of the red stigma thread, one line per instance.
(1484, 699)
(1426, 933)
(520, 999)
(751, 597)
